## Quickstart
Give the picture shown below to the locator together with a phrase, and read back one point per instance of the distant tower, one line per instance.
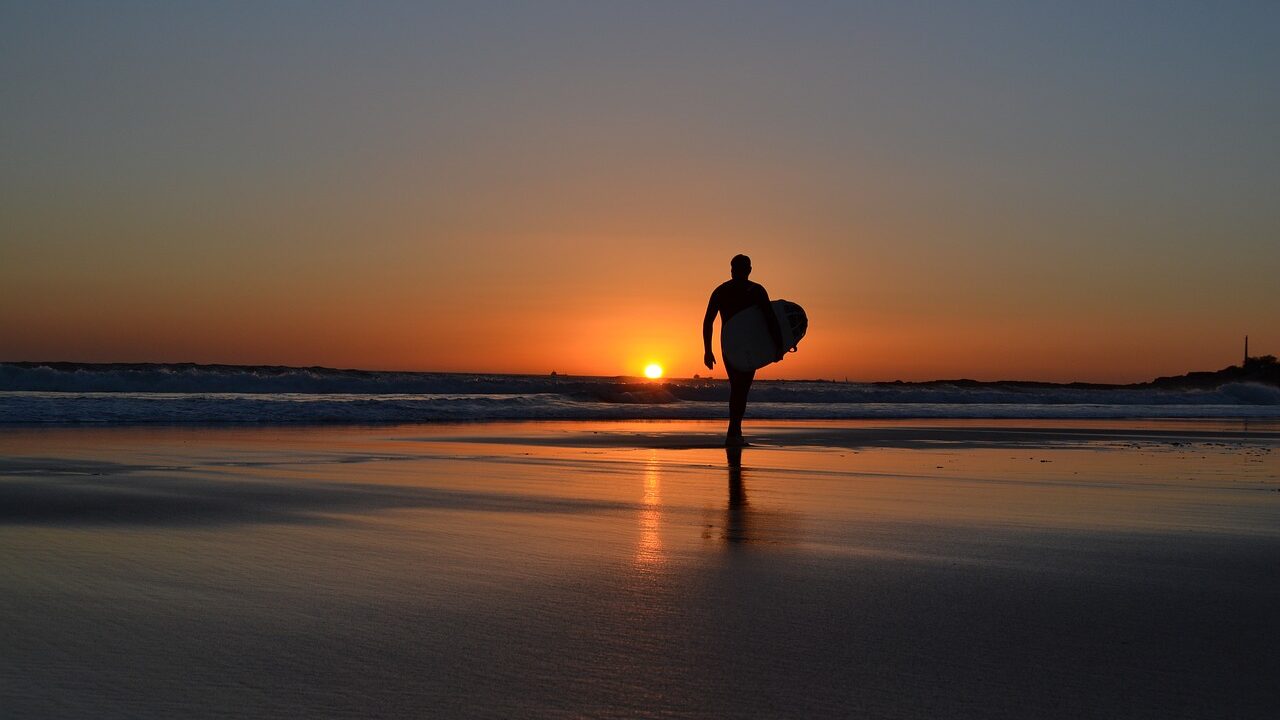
(1246, 351)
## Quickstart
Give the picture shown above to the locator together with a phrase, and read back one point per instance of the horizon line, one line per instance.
(553, 373)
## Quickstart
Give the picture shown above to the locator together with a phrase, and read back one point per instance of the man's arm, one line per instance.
(771, 319)
(708, 322)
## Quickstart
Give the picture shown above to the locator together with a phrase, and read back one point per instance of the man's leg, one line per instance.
(739, 386)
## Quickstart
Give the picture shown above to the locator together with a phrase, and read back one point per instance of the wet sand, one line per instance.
(898, 570)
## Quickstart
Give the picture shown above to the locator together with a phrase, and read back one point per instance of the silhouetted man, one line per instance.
(728, 300)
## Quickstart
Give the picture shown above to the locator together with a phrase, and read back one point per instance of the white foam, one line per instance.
(192, 393)
(131, 408)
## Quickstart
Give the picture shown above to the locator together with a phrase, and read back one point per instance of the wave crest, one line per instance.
(65, 393)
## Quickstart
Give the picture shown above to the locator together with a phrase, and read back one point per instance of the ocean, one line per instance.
(64, 393)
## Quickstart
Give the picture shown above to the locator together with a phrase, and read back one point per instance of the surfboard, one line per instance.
(745, 341)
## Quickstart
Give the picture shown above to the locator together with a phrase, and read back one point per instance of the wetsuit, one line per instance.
(728, 300)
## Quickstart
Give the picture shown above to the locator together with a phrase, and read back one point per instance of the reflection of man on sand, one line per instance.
(746, 524)
(735, 517)
(730, 298)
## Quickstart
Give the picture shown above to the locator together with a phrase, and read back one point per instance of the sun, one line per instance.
(653, 371)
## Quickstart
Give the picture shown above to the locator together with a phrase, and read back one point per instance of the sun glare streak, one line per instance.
(649, 550)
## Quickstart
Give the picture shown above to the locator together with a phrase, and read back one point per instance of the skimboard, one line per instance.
(745, 341)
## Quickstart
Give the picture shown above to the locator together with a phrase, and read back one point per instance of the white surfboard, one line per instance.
(745, 341)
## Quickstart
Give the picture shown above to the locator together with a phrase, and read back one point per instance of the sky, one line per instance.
(990, 190)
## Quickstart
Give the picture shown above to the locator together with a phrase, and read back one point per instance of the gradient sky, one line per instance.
(1065, 191)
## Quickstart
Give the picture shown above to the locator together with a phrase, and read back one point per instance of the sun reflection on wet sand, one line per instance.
(649, 549)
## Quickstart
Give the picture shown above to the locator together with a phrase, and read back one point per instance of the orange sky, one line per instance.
(947, 195)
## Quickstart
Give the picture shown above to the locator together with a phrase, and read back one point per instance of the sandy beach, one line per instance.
(909, 569)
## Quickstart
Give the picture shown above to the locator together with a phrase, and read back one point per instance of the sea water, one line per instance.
(128, 394)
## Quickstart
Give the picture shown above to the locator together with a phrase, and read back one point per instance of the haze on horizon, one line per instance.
(1001, 190)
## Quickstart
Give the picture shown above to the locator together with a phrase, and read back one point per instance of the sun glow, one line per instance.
(653, 371)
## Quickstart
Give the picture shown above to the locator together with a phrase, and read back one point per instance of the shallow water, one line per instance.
(636, 570)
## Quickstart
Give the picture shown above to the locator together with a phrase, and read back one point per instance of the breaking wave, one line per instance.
(74, 393)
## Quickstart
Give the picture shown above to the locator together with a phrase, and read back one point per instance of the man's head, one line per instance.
(740, 267)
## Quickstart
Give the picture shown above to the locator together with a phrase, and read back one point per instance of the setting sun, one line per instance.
(653, 371)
